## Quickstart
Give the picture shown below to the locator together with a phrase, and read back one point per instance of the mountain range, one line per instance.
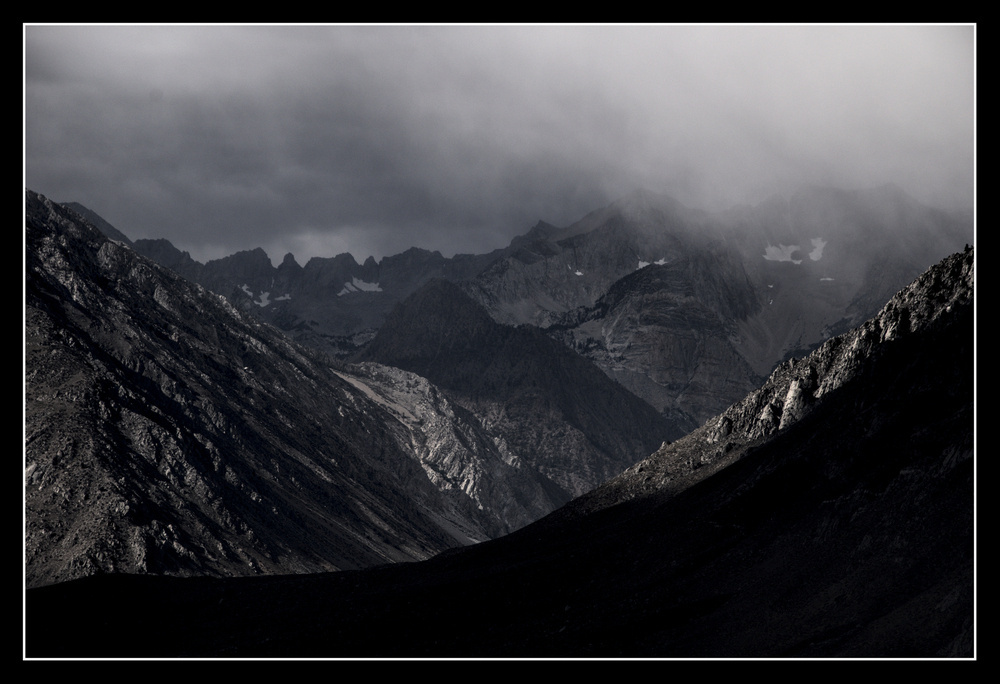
(841, 526)
(169, 432)
(824, 510)
(726, 297)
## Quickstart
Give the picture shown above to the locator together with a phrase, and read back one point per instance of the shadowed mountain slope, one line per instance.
(667, 332)
(842, 526)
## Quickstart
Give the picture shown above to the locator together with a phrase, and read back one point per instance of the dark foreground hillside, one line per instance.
(847, 532)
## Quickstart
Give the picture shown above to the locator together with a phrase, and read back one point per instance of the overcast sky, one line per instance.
(372, 139)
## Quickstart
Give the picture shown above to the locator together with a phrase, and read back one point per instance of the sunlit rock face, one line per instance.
(472, 464)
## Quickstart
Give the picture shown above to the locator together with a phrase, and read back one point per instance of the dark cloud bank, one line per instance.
(321, 140)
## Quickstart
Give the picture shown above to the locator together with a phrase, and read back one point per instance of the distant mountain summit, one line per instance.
(331, 304)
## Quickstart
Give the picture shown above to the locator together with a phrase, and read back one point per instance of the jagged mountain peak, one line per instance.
(541, 231)
(289, 262)
(163, 252)
(255, 257)
(641, 211)
(412, 254)
(342, 259)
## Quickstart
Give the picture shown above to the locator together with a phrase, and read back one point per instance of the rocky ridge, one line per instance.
(798, 387)
(168, 432)
(331, 304)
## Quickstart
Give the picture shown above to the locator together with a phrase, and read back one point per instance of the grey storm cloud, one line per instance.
(371, 139)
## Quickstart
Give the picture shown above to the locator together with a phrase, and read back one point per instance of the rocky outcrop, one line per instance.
(475, 467)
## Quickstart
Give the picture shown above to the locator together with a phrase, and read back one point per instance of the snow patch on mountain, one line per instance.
(264, 296)
(358, 285)
(785, 252)
(781, 253)
(818, 245)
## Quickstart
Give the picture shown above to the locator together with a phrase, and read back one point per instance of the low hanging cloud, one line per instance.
(372, 139)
